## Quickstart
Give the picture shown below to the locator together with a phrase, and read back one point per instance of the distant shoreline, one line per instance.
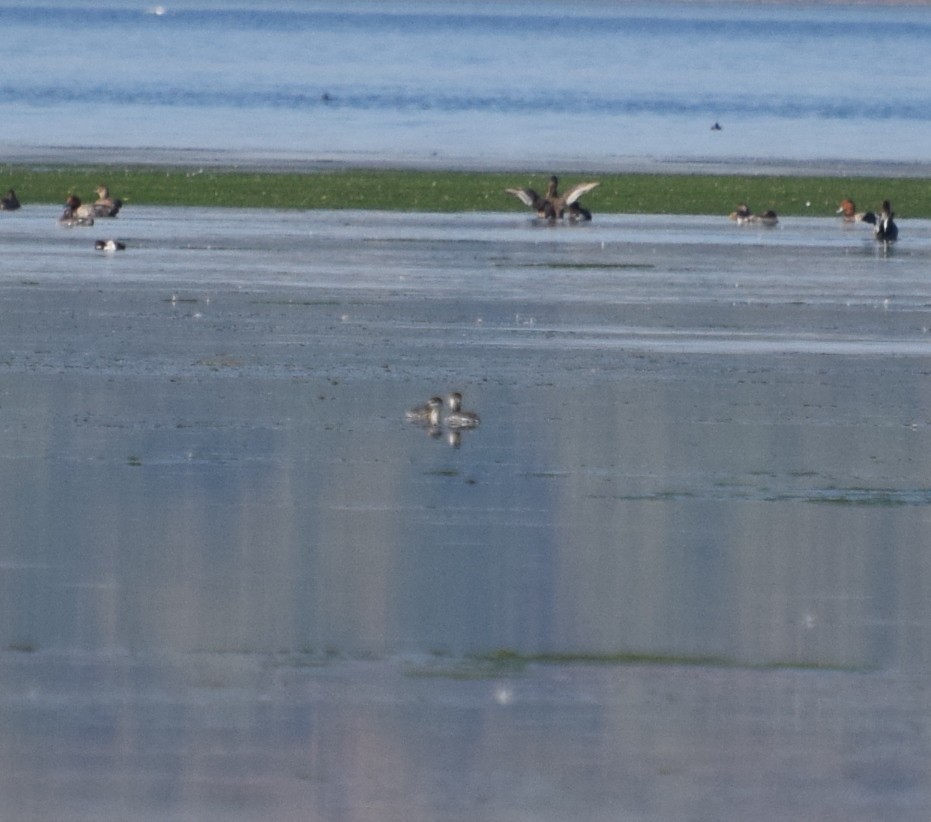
(54, 157)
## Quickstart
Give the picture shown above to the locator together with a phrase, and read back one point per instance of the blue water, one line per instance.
(500, 81)
(512, 82)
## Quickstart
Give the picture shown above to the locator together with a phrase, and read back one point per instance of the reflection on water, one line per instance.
(697, 444)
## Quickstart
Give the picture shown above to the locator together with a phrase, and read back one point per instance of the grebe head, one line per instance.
(454, 401)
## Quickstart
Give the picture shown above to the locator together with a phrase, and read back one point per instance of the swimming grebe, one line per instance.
(426, 414)
(554, 206)
(457, 418)
(9, 201)
(106, 206)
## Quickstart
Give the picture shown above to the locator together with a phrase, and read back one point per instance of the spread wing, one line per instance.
(577, 191)
(527, 196)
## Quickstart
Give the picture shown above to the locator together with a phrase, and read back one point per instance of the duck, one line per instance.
(456, 418)
(849, 209)
(109, 245)
(426, 414)
(553, 205)
(768, 217)
(9, 201)
(743, 216)
(884, 228)
(105, 205)
(76, 214)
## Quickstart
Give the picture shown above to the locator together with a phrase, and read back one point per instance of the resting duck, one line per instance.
(743, 216)
(457, 418)
(849, 209)
(106, 206)
(554, 206)
(884, 228)
(109, 245)
(9, 201)
(76, 214)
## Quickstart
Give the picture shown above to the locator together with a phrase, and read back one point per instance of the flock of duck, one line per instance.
(551, 206)
(884, 228)
(77, 213)
(431, 417)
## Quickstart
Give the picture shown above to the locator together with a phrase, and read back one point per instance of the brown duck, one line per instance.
(105, 205)
(553, 205)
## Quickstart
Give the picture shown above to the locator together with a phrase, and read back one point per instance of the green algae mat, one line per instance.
(453, 191)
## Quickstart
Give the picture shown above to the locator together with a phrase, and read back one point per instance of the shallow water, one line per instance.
(235, 582)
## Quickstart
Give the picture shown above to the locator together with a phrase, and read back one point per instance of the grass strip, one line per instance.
(459, 191)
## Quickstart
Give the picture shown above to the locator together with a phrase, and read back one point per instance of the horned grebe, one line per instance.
(426, 414)
(456, 418)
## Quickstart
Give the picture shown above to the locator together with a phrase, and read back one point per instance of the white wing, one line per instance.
(527, 196)
(577, 191)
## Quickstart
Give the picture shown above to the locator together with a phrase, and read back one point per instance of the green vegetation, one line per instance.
(451, 191)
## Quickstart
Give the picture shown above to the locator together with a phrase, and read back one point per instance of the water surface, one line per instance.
(514, 84)
(235, 582)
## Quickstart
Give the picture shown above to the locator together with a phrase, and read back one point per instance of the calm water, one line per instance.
(504, 83)
(236, 584)
(699, 441)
